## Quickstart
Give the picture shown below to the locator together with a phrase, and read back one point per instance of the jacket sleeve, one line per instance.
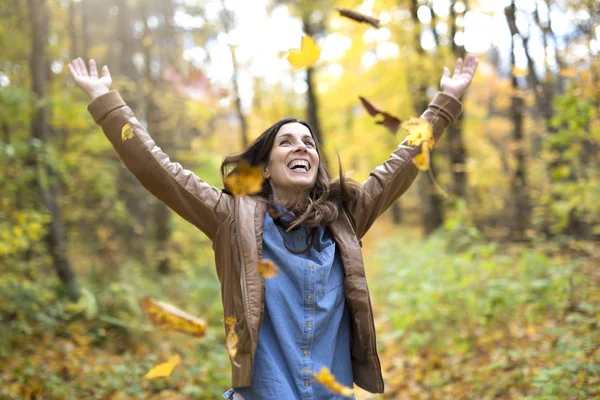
(180, 189)
(389, 181)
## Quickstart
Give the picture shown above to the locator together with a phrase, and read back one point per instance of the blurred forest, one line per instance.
(485, 281)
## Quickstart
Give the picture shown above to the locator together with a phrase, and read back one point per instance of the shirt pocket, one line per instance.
(333, 277)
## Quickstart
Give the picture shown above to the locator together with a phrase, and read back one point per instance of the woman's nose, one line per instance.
(301, 146)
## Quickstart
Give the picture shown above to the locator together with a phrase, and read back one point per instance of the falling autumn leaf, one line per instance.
(247, 181)
(164, 369)
(358, 17)
(389, 121)
(169, 317)
(308, 54)
(126, 132)
(327, 379)
(267, 268)
(420, 133)
(231, 342)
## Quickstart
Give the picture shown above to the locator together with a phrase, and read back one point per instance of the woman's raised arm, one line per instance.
(180, 189)
(389, 181)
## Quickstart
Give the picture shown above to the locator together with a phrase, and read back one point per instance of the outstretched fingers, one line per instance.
(93, 69)
(458, 68)
(471, 64)
(81, 67)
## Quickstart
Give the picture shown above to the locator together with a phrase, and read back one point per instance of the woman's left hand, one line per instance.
(456, 84)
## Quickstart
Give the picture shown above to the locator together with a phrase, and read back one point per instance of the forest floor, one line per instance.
(457, 317)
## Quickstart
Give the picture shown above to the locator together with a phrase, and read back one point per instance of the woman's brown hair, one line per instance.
(326, 197)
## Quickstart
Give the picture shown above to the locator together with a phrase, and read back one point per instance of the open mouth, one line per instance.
(299, 165)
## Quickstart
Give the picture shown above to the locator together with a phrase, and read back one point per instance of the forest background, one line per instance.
(484, 281)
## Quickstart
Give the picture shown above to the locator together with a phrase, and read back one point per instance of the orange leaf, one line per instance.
(389, 121)
(420, 133)
(164, 369)
(358, 17)
(267, 268)
(327, 379)
(308, 54)
(169, 317)
(248, 180)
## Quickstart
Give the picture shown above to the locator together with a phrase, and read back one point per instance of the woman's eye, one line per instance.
(285, 141)
(311, 144)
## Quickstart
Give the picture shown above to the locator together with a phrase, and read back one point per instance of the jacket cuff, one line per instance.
(102, 105)
(446, 106)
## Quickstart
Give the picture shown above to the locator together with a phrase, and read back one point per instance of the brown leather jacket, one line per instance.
(235, 227)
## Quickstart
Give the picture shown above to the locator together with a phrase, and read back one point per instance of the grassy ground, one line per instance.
(457, 318)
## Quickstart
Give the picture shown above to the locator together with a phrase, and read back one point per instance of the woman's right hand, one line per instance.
(91, 84)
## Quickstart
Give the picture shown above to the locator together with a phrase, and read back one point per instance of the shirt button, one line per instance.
(305, 353)
(309, 297)
(309, 324)
(307, 383)
(310, 266)
(300, 237)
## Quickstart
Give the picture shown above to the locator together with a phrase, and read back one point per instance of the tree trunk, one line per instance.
(55, 239)
(85, 31)
(520, 200)
(457, 152)
(432, 215)
(312, 102)
(73, 29)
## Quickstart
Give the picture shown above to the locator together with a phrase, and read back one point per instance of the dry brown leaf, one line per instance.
(169, 317)
(391, 122)
(267, 268)
(248, 180)
(358, 17)
(231, 342)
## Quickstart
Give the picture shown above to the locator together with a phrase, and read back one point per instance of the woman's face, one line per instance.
(294, 159)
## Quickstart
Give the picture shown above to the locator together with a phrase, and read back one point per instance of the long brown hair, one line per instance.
(325, 198)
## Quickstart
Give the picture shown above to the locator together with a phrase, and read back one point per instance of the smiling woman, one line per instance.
(315, 314)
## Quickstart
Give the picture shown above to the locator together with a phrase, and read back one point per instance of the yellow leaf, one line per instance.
(267, 268)
(568, 73)
(308, 54)
(164, 369)
(247, 181)
(126, 132)
(168, 317)
(519, 72)
(231, 342)
(327, 379)
(421, 160)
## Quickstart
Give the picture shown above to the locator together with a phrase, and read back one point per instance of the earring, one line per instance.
(265, 175)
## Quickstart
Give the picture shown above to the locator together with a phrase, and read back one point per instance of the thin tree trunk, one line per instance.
(312, 101)
(520, 199)
(55, 239)
(73, 29)
(432, 215)
(85, 31)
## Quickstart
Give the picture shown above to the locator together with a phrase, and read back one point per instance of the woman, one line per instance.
(316, 312)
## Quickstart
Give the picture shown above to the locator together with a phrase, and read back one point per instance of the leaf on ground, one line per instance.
(126, 132)
(164, 369)
(308, 54)
(327, 379)
(267, 268)
(169, 317)
(231, 342)
(391, 122)
(248, 180)
(358, 17)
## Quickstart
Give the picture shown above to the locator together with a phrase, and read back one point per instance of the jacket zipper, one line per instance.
(372, 324)
(242, 286)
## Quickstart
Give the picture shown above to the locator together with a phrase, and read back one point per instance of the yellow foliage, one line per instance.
(168, 317)
(247, 181)
(308, 54)
(267, 268)
(164, 369)
(232, 340)
(327, 379)
(420, 133)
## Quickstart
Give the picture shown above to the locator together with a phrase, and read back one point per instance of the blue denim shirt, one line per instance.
(306, 323)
